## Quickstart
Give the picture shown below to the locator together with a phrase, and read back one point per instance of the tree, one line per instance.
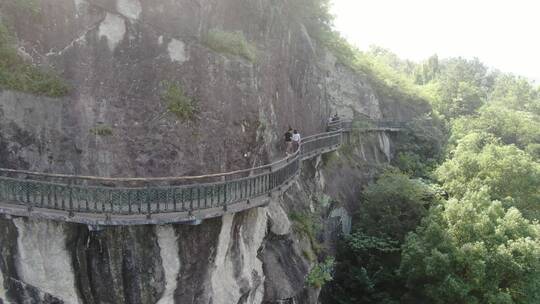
(510, 126)
(368, 259)
(516, 93)
(480, 161)
(419, 148)
(427, 71)
(393, 206)
(473, 250)
(462, 87)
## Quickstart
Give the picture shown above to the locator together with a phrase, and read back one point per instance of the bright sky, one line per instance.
(504, 34)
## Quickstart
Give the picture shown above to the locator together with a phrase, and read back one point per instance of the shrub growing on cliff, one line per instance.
(305, 224)
(321, 273)
(102, 131)
(178, 103)
(230, 42)
(15, 74)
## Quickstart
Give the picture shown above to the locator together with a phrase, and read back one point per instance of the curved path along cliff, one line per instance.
(99, 201)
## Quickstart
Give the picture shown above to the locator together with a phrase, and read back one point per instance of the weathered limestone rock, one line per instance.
(113, 29)
(43, 260)
(279, 221)
(116, 55)
(168, 245)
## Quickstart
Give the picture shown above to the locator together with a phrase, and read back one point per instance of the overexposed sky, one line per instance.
(504, 34)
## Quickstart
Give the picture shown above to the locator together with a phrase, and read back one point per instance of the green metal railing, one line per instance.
(381, 125)
(79, 195)
(147, 196)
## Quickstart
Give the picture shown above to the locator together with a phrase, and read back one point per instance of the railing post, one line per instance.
(174, 198)
(190, 213)
(28, 203)
(148, 207)
(70, 188)
(225, 196)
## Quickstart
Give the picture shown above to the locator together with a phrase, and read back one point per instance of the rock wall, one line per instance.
(116, 55)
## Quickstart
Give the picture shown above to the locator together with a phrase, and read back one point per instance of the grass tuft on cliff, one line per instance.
(233, 43)
(178, 103)
(15, 74)
(102, 130)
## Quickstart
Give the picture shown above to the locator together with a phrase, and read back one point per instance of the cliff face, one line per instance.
(116, 55)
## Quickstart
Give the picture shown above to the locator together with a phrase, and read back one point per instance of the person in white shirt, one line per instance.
(296, 140)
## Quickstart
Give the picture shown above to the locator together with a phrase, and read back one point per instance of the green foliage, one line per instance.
(31, 6)
(388, 81)
(314, 14)
(368, 259)
(306, 225)
(461, 87)
(516, 93)
(321, 273)
(480, 161)
(309, 255)
(15, 74)
(473, 251)
(474, 248)
(360, 243)
(393, 206)
(510, 126)
(233, 43)
(322, 199)
(102, 130)
(420, 147)
(178, 103)
(365, 271)
(427, 71)
(534, 151)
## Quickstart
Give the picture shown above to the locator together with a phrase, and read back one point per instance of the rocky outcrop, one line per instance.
(117, 56)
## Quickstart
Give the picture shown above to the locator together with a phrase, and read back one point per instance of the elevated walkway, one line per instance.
(100, 201)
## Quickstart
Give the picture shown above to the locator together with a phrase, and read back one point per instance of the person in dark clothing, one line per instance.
(288, 141)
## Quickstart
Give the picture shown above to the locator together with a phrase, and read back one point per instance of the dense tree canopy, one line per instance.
(479, 161)
(369, 258)
(516, 93)
(481, 145)
(393, 206)
(474, 250)
(510, 126)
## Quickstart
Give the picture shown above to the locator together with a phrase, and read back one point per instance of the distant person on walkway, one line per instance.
(296, 140)
(331, 127)
(288, 141)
